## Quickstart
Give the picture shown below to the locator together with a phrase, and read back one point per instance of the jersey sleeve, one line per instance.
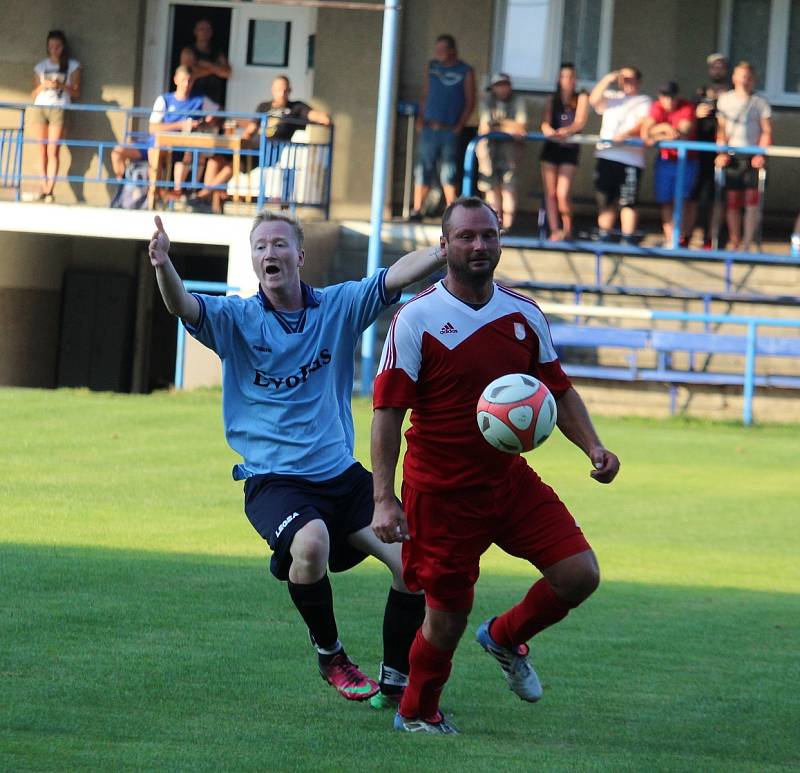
(398, 372)
(361, 302)
(215, 327)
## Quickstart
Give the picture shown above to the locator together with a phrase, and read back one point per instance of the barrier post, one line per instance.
(262, 161)
(386, 90)
(749, 374)
(677, 199)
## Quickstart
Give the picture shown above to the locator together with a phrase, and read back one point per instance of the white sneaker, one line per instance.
(518, 671)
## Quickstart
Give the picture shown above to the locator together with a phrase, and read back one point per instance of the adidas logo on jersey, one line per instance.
(448, 327)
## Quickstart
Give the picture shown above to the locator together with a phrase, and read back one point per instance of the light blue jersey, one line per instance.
(287, 377)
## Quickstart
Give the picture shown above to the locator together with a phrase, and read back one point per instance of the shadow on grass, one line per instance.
(126, 660)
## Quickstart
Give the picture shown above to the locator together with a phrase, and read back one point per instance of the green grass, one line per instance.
(140, 630)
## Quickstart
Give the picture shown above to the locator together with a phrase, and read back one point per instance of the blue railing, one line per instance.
(11, 139)
(712, 343)
(683, 148)
(289, 174)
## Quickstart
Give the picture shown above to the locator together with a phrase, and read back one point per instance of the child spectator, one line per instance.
(672, 118)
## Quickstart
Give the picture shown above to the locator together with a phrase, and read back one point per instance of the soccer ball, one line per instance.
(516, 413)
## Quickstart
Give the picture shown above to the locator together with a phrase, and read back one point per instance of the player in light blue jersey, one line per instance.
(287, 376)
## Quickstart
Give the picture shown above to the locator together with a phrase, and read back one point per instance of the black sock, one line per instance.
(314, 602)
(403, 616)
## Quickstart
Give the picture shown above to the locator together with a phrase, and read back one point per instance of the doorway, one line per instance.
(260, 41)
(184, 17)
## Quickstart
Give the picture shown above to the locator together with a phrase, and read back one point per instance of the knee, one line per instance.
(444, 631)
(310, 545)
(577, 584)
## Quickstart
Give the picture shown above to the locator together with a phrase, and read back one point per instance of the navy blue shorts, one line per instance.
(278, 506)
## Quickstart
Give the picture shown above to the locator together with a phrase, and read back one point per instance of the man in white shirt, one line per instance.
(743, 118)
(619, 167)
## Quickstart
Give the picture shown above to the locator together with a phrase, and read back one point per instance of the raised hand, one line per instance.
(159, 244)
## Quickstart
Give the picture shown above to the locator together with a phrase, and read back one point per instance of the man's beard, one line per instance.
(476, 277)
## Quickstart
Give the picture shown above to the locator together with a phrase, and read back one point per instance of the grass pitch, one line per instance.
(139, 629)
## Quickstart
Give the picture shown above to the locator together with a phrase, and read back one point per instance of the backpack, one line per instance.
(133, 193)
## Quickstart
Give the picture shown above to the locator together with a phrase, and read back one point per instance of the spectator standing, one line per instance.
(501, 111)
(211, 68)
(619, 168)
(565, 114)
(743, 119)
(703, 196)
(672, 118)
(56, 82)
(447, 102)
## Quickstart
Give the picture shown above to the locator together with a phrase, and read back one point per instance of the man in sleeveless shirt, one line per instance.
(447, 103)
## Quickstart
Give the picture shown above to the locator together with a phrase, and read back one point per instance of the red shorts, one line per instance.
(449, 533)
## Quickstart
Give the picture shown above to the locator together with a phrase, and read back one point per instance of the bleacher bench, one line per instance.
(665, 343)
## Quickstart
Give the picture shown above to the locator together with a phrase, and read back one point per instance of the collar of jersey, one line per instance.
(310, 300)
(456, 301)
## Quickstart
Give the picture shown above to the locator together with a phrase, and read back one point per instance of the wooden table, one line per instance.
(168, 141)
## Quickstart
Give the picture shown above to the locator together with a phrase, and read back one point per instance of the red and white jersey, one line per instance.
(439, 356)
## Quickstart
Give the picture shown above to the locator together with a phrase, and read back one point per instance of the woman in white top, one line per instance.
(56, 82)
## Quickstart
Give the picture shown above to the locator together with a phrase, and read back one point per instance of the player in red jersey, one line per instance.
(460, 495)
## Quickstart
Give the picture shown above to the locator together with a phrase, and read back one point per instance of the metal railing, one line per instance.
(751, 324)
(286, 173)
(682, 147)
(11, 139)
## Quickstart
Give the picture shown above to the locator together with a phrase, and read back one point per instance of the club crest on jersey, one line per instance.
(448, 327)
(519, 331)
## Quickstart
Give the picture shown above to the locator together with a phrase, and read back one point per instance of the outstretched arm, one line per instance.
(389, 521)
(414, 266)
(574, 422)
(178, 302)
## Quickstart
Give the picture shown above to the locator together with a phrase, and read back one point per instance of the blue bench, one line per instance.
(665, 343)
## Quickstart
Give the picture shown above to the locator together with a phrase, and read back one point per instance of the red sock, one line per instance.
(429, 670)
(540, 608)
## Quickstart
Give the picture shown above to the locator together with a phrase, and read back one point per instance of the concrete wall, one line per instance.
(106, 38)
(347, 73)
(32, 268)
